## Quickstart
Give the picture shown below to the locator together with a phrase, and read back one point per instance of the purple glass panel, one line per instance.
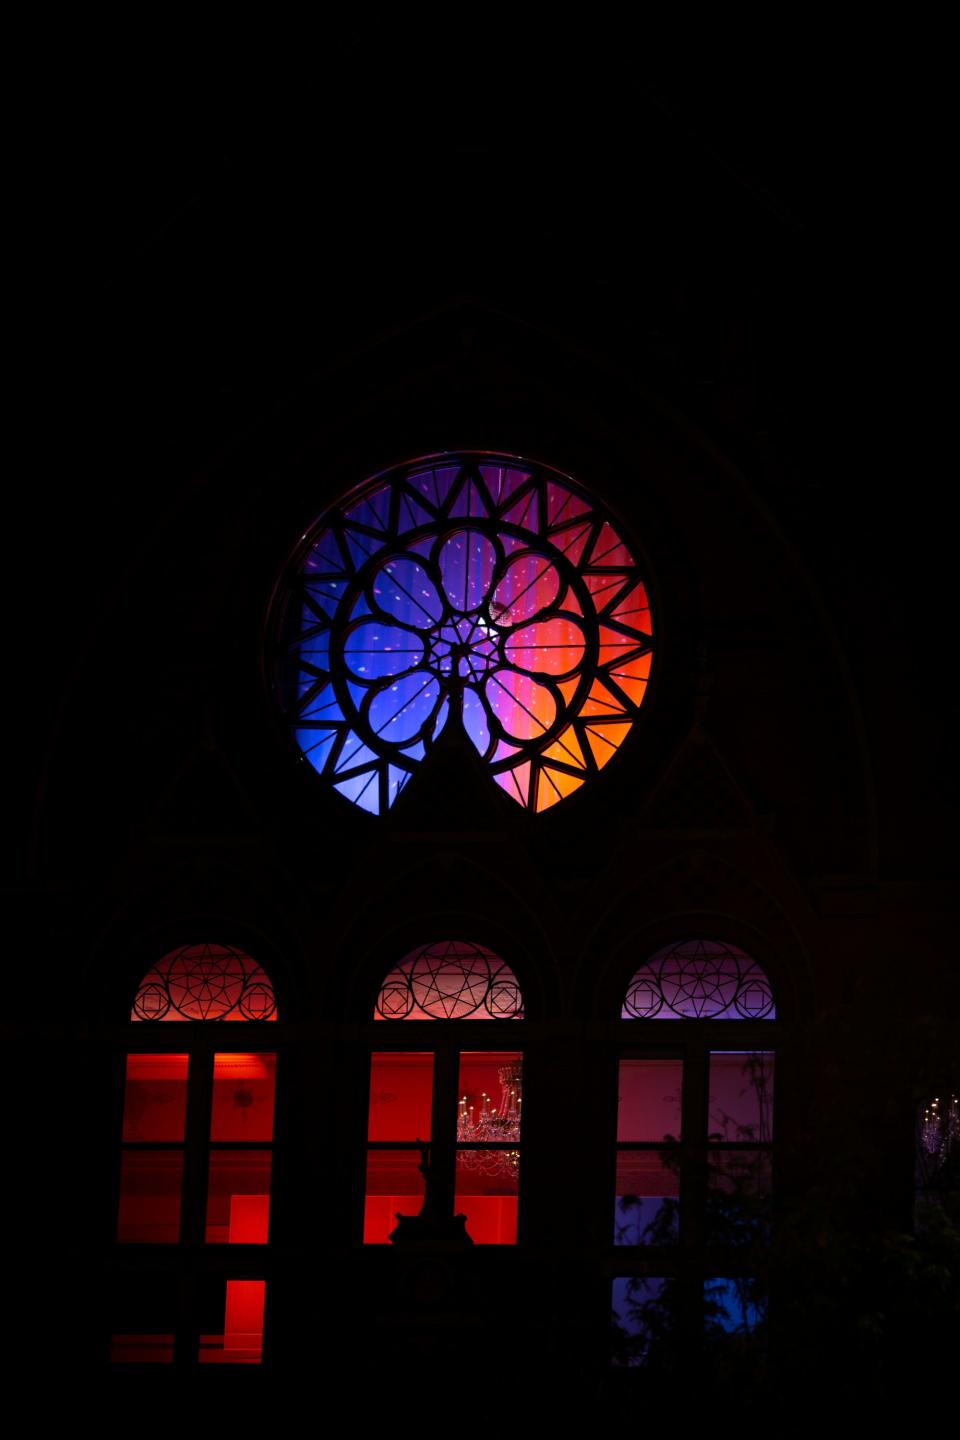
(699, 980)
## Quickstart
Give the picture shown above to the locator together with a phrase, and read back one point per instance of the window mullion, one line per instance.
(693, 1157)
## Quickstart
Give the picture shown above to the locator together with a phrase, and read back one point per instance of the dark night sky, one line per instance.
(199, 236)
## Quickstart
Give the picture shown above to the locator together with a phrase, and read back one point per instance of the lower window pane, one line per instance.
(648, 1198)
(734, 1306)
(738, 1200)
(141, 1349)
(642, 1316)
(394, 1186)
(486, 1192)
(150, 1197)
(242, 1340)
(238, 1199)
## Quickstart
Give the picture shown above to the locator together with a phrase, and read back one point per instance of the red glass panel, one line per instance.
(150, 1183)
(401, 1094)
(238, 1198)
(650, 1099)
(243, 1093)
(242, 1340)
(486, 1192)
(741, 1095)
(647, 1199)
(141, 1349)
(394, 1186)
(155, 1103)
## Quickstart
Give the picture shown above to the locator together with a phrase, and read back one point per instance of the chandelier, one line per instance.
(493, 1124)
(940, 1130)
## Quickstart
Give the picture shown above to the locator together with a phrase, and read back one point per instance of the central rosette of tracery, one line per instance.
(466, 647)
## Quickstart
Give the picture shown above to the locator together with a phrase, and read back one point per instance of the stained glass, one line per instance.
(475, 590)
(699, 980)
(205, 982)
(450, 980)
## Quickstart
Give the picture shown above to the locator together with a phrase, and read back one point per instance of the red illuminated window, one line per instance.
(444, 1117)
(196, 1158)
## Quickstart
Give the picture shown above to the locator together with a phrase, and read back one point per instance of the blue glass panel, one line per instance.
(354, 753)
(361, 547)
(736, 1306)
(363, 790)
(400, 712)
(405, 591)
(467, 562)
(316, 745)
(375, 650)
(325, 555)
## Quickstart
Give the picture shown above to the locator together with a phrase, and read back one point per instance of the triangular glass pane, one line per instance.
(609, 549)
(562, 504)
(573, 542)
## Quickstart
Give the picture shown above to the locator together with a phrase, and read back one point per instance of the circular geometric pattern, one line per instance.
(702, 980)
(450, 980)
(473, 589)
(205, 982)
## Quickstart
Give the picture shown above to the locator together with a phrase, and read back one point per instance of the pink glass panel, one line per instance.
(699, 980)
(650, 1099)
(450, 980)
(205, 982)
(243, 1095)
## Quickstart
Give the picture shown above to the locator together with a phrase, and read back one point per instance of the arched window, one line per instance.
(478, 590)
(196, 1159)
(694, 1146)
(444, 1118)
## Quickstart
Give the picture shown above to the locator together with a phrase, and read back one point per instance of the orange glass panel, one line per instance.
(155, 1102)
(150, 1183)
(243, 1096)
(650, 1098)
(601, 702)
(605, 741)
(394, 1187)
(401, 1096)
(238, 1197)
(609, 549)
(613, 645)
(554, 785)
(566, 747)
(242, 1340)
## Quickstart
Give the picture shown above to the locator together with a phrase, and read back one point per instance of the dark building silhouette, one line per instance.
(663, 299)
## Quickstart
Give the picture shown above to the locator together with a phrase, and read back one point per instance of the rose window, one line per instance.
(470, 590)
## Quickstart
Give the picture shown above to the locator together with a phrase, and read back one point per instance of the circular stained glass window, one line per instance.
(477, 590)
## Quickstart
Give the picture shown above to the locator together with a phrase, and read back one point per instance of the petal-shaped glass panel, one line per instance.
(529, 585)
(466, 562)
(524, 707)
(550, 647)
(404, 590)
(403, 709)
(374, 650)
